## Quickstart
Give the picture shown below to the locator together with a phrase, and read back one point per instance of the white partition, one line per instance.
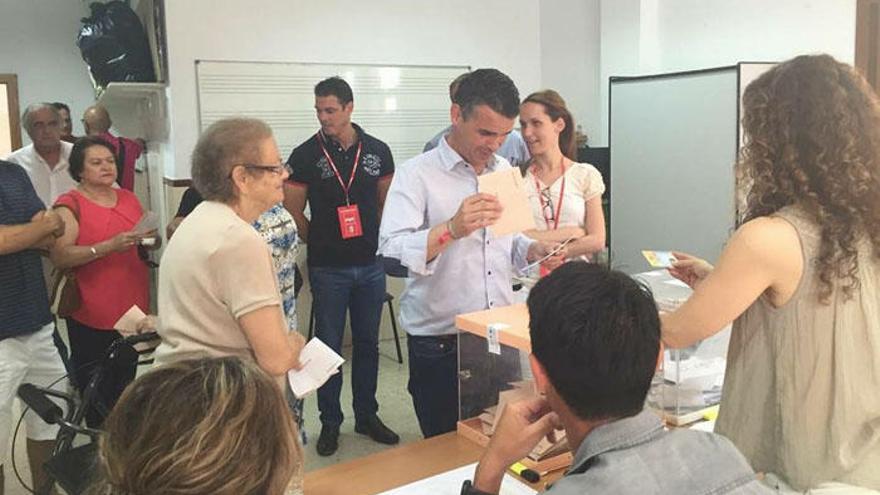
(674, 142)
(402, 105)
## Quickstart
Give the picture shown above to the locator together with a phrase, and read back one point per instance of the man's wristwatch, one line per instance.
(467, 488)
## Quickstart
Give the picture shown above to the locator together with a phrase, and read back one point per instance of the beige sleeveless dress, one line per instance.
(802, 389)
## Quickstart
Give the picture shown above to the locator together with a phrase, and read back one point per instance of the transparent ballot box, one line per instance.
(687, 387)
(493, 370)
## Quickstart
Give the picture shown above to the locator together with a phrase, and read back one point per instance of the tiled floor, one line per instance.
(395, 409)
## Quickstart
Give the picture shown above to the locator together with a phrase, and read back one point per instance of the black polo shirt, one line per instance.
(310, 167)
(24, 303)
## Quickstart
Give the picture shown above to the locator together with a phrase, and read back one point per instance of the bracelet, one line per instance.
(449, 229)
(94, 251)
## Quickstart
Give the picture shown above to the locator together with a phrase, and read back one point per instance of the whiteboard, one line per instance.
(673, 140)
(404, 106)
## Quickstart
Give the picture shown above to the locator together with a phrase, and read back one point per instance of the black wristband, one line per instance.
(467, 488)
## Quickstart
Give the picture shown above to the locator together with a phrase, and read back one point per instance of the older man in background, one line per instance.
(46, 159)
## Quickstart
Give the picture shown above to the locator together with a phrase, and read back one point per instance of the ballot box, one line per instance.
(493, 370)
(687, 386)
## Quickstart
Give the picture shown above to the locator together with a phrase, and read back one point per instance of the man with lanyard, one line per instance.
(344, 174)
(435, 226)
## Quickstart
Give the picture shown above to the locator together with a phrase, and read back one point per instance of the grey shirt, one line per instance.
(636, 455)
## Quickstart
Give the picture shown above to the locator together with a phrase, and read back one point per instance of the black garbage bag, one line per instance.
(114, 45)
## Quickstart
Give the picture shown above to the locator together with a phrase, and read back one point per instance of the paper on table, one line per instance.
(509, 187)
(127, 324)
(319, 362)
(449, 483)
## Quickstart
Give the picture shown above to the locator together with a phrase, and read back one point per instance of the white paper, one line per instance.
(148, 223)
(704, 426)
(676, 282)
(492, 331)
(127, 324)
(449, 483)
(319, 362)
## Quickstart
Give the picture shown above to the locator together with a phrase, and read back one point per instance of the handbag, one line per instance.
(66, 298)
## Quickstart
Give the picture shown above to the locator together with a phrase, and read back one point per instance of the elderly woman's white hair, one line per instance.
(223, 145)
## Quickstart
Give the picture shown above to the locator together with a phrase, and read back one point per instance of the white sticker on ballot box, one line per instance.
(492, 337)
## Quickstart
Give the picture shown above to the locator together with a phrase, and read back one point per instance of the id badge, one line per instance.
(349, 221)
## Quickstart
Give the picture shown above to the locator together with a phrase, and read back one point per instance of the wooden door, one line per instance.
(10, 131)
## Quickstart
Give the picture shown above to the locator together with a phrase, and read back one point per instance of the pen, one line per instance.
(525, 473)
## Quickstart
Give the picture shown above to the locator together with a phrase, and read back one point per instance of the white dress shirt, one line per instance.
(48, 182)
(473, 273)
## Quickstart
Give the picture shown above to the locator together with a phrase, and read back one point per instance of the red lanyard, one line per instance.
(549, 202)
(354, 166)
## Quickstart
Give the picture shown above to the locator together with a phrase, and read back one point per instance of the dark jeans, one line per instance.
(359, 290)
(88, 347)
(433, 382)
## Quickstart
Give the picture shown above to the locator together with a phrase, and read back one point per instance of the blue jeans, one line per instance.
(433, 382)
(360, 290)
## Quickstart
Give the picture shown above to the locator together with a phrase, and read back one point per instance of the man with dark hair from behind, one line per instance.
(344, 174)
(595, 338)
(435, 225)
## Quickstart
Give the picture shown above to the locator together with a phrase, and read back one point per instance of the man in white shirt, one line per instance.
(46, 159)
(434, 224)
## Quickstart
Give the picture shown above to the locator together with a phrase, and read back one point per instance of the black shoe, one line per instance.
(328, 441)
(375, 429)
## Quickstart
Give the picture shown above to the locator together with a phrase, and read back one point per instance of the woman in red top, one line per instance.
(100, 244)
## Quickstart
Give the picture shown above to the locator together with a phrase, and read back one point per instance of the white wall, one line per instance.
(39, 45)
(653, 36)
(570, 35)
(489, 33)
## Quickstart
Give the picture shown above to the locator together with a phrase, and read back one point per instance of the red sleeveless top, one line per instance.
(111, 284)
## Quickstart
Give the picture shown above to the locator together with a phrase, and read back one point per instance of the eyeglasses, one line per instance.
(547, 204)
(273, 169)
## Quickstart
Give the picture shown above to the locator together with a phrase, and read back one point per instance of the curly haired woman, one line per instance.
(800, 279)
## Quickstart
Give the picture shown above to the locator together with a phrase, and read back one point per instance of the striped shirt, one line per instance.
(24, 304)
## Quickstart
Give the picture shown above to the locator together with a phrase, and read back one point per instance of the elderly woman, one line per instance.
(218, 293)
(800, 279)
(100, 246)
(231, 434)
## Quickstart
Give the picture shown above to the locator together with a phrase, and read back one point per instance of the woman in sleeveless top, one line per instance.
(100, 244)
(566, 196)
(800, 279)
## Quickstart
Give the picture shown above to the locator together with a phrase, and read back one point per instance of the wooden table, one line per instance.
(396, 467)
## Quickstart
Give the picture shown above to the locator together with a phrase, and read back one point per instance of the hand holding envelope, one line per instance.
(135, 321)
(508, 186)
